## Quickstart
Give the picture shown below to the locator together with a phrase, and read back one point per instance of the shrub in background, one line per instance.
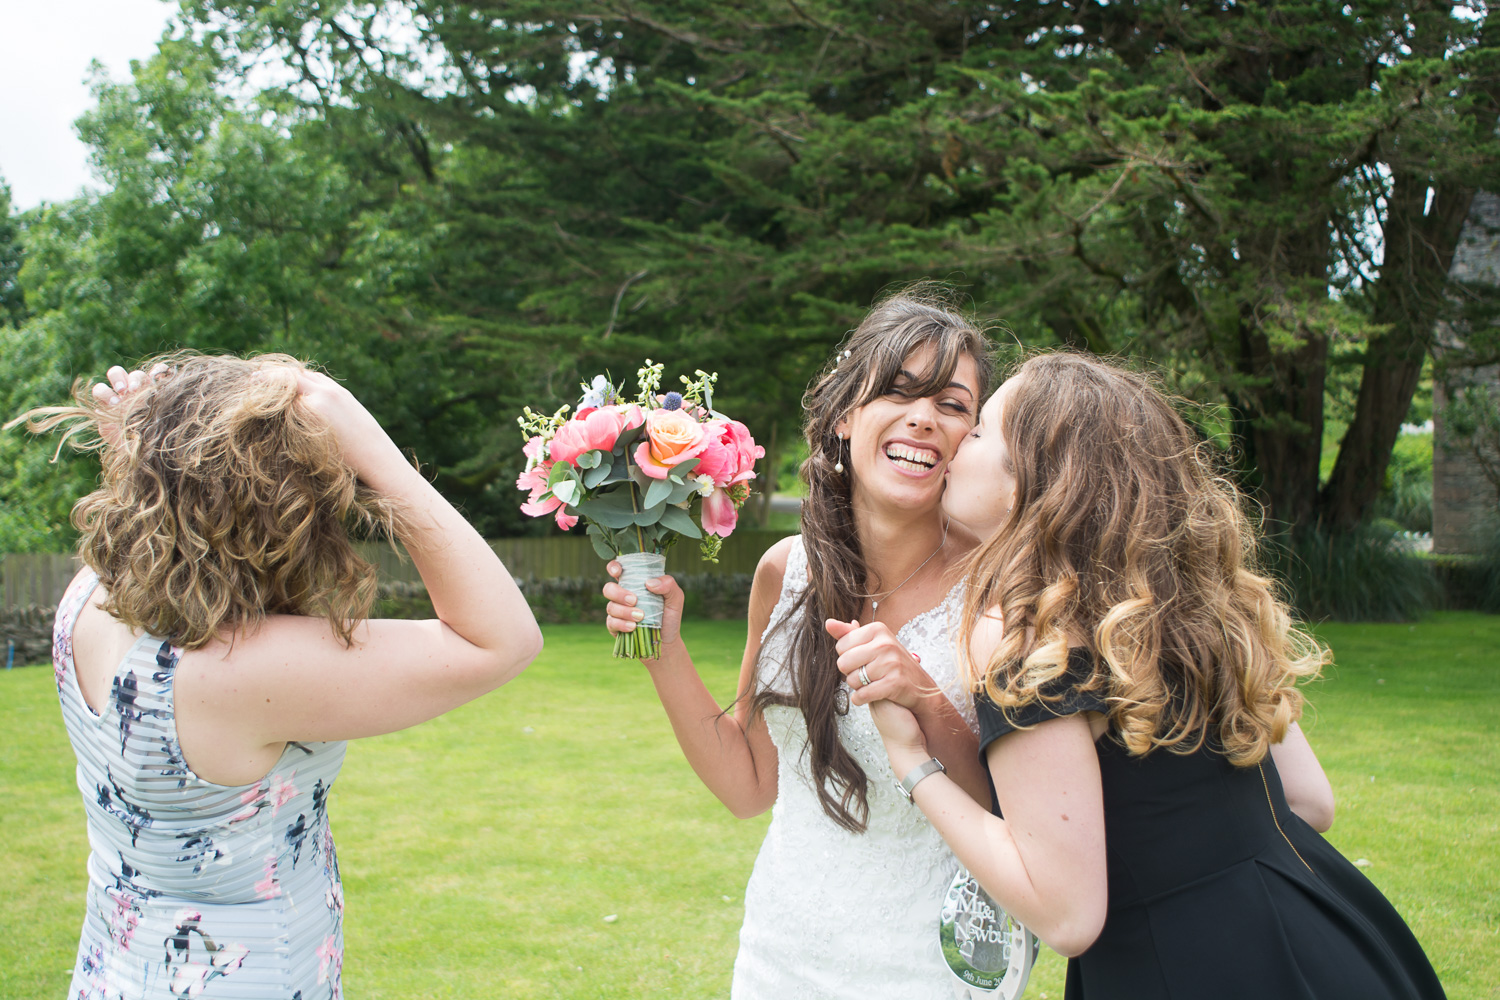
(1362, 575)
(566, 600)
(1406, 497)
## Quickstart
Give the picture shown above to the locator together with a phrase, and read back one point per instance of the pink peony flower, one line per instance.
(672, 437)
(594, 429)
(719, 514)
(730, 455)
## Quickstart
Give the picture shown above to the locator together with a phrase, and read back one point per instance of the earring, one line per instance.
(839, 465)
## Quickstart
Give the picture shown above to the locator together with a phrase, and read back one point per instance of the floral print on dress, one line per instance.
(193, 887)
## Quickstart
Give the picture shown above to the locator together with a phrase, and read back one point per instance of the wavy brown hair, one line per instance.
(837, 572)
(1125, 541)
(222, 501)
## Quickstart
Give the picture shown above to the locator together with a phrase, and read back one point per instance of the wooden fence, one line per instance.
(41, 578)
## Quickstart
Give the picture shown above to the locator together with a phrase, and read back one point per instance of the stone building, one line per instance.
(1463, 499)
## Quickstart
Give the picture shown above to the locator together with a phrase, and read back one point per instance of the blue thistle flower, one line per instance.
(672, 401)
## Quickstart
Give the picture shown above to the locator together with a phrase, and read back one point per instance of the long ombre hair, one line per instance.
(222, 501)
(1123, 540)
(865, 368)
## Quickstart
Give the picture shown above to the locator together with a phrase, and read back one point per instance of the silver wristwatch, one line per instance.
(916, 774)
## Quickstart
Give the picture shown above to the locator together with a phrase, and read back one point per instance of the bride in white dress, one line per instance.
(846, 891)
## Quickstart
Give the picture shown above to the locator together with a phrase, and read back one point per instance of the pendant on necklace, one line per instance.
(874, 605)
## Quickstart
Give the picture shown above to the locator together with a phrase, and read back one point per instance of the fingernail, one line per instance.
(119, 387)
(114, 399)
(638, 615)
(630, 627)
(631, 599)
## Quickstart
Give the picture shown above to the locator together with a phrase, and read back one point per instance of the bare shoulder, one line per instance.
(770, 572)
(772, 565)
(985, 638)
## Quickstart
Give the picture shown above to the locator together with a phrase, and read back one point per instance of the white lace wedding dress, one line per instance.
(829, 913)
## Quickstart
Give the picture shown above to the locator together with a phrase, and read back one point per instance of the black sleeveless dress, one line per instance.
(1217, 890)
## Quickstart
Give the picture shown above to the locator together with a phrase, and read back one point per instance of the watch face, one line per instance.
(987, 949)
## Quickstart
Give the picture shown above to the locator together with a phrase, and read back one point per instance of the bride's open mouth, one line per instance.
(912, 458)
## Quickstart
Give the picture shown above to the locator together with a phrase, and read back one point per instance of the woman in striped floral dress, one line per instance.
(215, 653)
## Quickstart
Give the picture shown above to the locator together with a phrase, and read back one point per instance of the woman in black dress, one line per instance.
(1138, 714)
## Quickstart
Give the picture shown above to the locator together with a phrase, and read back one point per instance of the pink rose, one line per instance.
(594, 429)
(719, 515)
(672, 437)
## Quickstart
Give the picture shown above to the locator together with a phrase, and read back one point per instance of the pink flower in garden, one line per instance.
(719, 513)
(594, 429)
(672, 437)
(730, 455)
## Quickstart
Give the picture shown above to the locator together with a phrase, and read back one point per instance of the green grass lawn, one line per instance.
(483, 851)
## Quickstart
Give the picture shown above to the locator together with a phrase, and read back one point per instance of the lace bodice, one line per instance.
(829, 913)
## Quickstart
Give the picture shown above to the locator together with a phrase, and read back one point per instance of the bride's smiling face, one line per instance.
(981, 480)
(899, 445)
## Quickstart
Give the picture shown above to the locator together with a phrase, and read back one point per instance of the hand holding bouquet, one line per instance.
(637, 472)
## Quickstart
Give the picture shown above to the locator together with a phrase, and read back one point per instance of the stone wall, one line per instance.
(1463, 500)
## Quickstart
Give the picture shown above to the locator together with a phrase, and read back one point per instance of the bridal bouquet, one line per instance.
(641, 473)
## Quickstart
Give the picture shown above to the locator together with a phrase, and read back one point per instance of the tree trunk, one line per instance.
(1409, 298)
(1281, 423)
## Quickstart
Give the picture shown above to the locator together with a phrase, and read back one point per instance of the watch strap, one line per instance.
(915, 775)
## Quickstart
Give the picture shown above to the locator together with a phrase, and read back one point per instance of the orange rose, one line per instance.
(672, 437)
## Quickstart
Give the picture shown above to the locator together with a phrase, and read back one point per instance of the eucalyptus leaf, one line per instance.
(658, 492)
(597, 475)
(686, 468)
(683, 492)
(680, 521)
(601, 544)
(607, 515)
(614, 500)
(590, 459)
(650, 515)
(568, 491)
(560, 471)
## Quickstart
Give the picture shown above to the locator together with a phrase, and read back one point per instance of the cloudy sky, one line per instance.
(45, 50)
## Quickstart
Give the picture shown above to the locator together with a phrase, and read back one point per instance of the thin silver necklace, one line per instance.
(875, 599)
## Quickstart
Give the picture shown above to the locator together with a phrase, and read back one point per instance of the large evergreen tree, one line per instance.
(1249, 193)
(466, 204)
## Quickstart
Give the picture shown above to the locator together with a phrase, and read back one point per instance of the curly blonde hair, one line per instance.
(222, 501)
(1123, 540)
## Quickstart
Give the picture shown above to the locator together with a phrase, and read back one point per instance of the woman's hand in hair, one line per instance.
(365, 445)
(114, 390)
(621, 614)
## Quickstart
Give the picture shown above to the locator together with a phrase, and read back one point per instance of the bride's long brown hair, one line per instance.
(1125, 541)
(865, 368)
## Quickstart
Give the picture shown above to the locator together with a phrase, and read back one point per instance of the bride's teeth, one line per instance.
(916, 459)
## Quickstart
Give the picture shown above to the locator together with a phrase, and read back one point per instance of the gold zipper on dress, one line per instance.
(1267, 786)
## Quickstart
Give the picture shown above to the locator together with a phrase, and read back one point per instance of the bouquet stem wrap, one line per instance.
(645, 641)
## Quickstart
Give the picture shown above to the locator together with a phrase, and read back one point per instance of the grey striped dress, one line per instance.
(195, 889)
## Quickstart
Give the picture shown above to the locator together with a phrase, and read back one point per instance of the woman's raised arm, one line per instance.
(292, 679)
